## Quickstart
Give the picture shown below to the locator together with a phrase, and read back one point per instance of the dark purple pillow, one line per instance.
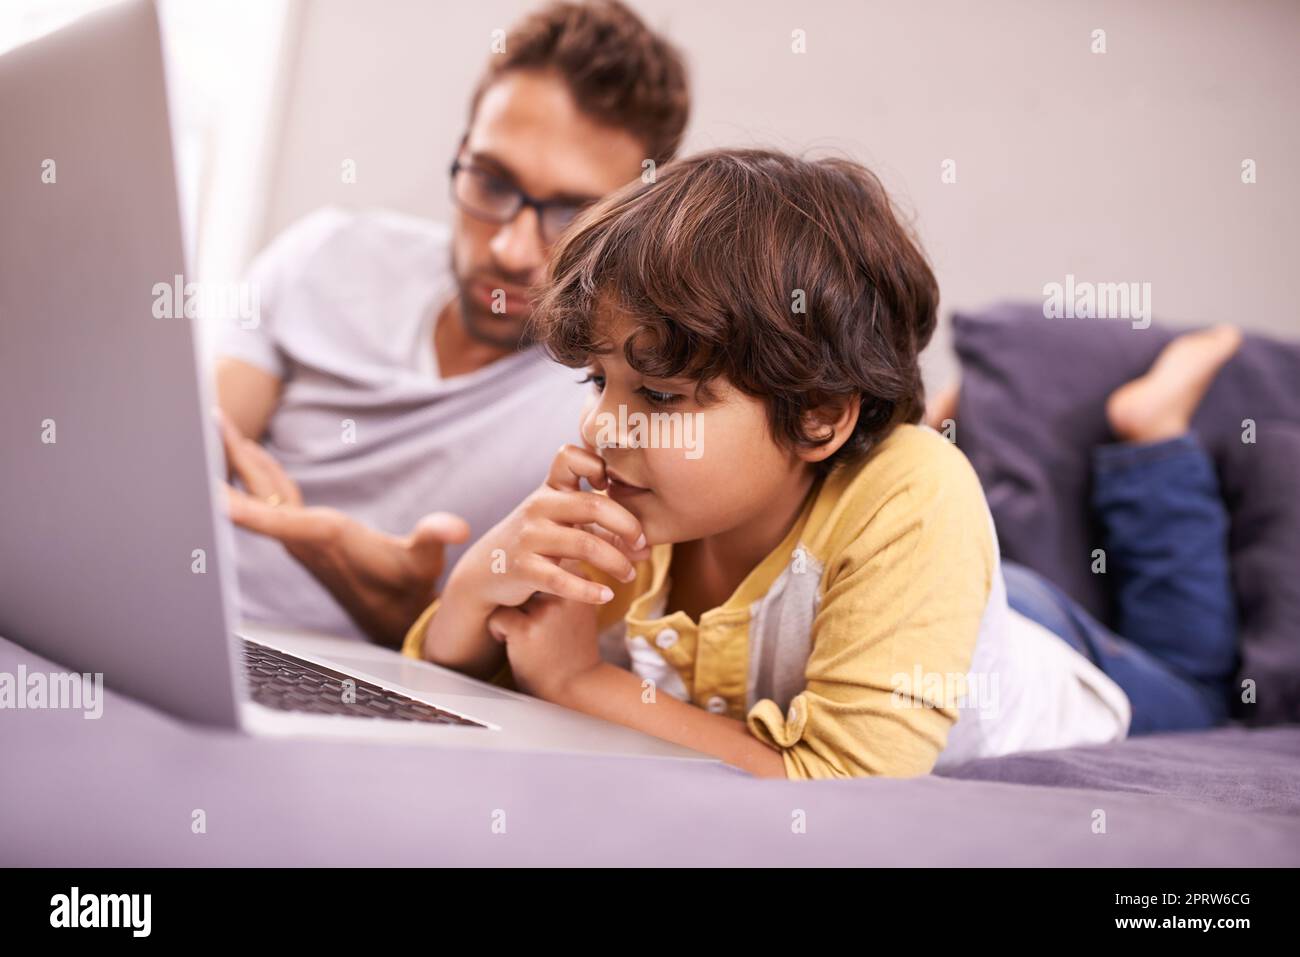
(1259, 485)
(1032, 407)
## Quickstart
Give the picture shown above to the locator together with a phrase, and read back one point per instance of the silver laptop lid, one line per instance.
(110, 542)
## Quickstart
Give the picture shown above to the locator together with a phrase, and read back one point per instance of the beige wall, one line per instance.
(1123, 166)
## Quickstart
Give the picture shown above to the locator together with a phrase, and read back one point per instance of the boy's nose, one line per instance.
(601, 427)
(587, 419)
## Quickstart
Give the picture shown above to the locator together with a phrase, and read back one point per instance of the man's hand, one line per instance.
(382, 581)
(549, 641)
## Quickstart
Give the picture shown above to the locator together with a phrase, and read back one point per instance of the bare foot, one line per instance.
(1160, 404)
(942, 406)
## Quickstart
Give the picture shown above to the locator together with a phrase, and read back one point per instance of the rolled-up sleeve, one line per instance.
(903, 601)
(413, 644)
(254, 336)
(413, 647)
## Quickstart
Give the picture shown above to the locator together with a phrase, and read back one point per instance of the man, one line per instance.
(391, 373)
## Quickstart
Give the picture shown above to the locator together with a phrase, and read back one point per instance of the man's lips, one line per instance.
(517, 301)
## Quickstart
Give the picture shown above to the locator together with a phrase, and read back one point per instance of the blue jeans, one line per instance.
(1166, 537)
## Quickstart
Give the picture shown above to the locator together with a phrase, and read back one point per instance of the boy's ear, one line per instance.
(834, 421)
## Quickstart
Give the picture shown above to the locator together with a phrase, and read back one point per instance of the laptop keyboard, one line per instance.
(286, 683)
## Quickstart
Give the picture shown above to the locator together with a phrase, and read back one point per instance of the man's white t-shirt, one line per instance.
(365, 423)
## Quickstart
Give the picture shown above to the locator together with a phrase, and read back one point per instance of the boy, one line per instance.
(815, 590)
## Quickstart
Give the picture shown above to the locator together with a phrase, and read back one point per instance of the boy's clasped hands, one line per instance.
(521, 583)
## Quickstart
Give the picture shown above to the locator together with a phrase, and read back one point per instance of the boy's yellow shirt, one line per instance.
(887, 570)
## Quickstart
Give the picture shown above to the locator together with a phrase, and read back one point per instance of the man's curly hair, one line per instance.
(620, 72)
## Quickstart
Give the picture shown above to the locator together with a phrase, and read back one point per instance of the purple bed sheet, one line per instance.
(121, 790)
(1245, 769)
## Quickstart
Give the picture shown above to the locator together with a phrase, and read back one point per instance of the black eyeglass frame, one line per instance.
(522, 201)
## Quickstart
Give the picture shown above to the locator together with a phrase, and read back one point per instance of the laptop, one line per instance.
(114, 546)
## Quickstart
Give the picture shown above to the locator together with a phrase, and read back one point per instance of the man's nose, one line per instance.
(517, 245)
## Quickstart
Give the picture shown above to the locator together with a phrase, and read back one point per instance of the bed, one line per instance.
(1032, 406)
(122, 791)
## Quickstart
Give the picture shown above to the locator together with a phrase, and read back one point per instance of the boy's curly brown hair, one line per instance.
(712, 263)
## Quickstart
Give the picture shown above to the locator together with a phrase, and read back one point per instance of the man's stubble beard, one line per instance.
(477, 319)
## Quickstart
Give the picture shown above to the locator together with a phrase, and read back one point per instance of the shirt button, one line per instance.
(666, 638)
(717, 704)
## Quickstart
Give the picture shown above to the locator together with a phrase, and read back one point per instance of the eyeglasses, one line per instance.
(496, 199)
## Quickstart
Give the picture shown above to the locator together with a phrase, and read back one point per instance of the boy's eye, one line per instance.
(659, 398)
(653, 396)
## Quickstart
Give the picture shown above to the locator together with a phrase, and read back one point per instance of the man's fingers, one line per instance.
(262, 475)
(442, 528)
(254, 514)
(250, 469)
(272, 474)
(430, 537)
(237, 506)
(237, 458)
(229, 431)
(257, 516)
(290, 524)
(572, 464)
